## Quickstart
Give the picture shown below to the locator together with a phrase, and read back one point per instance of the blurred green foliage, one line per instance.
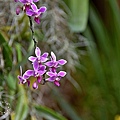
(94, 91)
(79, 14)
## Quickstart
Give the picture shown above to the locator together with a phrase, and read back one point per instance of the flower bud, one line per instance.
(35, 85)
(18, 10)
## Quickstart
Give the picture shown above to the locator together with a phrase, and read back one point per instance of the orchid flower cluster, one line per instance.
(43, 69)
(31, 9)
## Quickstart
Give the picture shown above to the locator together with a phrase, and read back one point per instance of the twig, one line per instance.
(31, 27)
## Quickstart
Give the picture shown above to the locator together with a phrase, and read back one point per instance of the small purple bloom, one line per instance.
(40, 58)
(53, 64)
(38, 72)
(55, 77)
(35, 85)
(24, 78)
(36, 12)
(27, 3)
(18, 9)
(38, 69)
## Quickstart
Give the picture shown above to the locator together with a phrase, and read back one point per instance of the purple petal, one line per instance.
(20, 78)
(23, 1)
(42, 59)
(30, 12)
(51, 74)
(56, 64)
(52, 69)
(25, 77)
(62, 61)
(53, 56)
(16, 0)
(42, 9)
(30, 1)
(45, 55)
(39, 79)
(51, 79)
(35, 85)
(42, 67)
(35, 0)
(57, 83)
(34, 7)
(62, 73)
(29, 73)
(42, 70)
(50, 63)
(35, 65)
(37, 52)
(32, 58)
(37, 20)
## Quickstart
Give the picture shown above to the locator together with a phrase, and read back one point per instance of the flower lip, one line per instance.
(36, 19)
(57, 83)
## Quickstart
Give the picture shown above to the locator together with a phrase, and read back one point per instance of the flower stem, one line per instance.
(32, 30)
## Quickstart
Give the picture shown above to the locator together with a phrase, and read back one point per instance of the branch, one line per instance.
(31, 28)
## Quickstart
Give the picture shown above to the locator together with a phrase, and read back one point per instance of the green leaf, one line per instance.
(66, 106)
(1, 79)
(79, 17)
(19, 53)
(2, 39)
(11, 81)
(7, 55)
(48, 113)
(22, 105)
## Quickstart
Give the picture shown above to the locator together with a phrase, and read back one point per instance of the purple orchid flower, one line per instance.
(53, 64)
(36, 12)
(55, 77)
(38, 72)
(27, 3)
(24, 78)
(40, 58)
